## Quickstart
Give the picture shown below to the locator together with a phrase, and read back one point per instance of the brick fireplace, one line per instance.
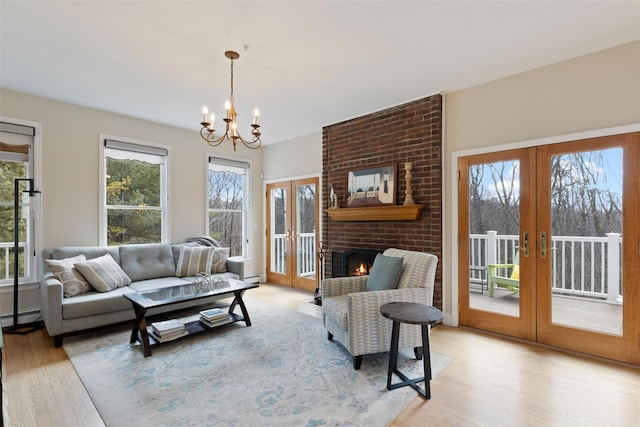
(355, 262)
(410, 132)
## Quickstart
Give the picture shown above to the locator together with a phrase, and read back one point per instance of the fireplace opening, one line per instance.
(355, 262)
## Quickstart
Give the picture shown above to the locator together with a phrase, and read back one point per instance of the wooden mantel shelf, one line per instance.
(376, 213)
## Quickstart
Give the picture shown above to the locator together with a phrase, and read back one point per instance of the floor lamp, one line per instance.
(17, 328)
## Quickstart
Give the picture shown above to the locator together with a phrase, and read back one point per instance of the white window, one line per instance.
(134, 193)
(227, 190)
(16, 179)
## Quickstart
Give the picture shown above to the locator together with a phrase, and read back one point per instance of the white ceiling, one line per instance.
(304, 64)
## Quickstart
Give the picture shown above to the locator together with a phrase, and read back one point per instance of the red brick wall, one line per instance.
(410, 132)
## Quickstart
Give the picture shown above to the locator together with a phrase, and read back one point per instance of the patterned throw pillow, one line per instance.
(103, 273)
(193, 260)
(219, 264)
(73, 283)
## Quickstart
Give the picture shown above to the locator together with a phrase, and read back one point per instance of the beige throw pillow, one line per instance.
(73, 283)
(193, 260)
(103, 273)
(219, 263)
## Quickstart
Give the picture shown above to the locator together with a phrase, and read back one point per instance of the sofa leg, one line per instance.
(57, 340)
(357, 362)
(329, 336)
(418, 352)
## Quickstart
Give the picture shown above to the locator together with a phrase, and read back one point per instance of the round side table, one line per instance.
(415, 314)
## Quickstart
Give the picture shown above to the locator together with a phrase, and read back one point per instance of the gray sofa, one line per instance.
(149, 266)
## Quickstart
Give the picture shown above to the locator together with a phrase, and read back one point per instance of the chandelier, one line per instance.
(231, 128)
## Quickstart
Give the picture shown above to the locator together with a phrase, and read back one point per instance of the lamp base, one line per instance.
(23, 329)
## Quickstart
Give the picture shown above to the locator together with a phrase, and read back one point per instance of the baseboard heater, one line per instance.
(255, 278)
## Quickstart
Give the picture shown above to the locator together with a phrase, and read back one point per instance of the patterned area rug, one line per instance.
(281, 371)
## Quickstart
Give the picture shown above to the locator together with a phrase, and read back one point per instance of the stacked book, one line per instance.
(168, 330)
(211, 316)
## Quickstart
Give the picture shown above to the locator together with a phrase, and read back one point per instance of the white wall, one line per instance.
(591, 92)
(295, 157)
(70, 181)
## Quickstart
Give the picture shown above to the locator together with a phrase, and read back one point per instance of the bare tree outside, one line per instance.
(586, 201)
(226, 192)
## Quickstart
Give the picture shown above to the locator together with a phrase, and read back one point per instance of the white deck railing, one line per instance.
(582, 266)
(6, 248)
(306, 258)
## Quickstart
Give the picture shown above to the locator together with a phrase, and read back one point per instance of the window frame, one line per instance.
(165, 207)
(246, 212)
(34, 230)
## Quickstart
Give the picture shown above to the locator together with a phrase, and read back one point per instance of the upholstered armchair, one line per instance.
(351, 314)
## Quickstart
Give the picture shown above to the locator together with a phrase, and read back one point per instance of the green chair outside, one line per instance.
(510, 282)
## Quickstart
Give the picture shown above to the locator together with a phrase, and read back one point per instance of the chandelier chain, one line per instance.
(232, 99)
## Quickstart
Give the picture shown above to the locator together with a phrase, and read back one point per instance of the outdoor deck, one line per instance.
(571, 311)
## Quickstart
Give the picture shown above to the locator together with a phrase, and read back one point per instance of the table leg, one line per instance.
(139, 330)
(238, 300)
(426, 360)
(393, 353)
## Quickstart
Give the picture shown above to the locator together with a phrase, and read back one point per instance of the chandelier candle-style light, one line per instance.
(231, 130)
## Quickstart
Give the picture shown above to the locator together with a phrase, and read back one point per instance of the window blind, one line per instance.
(136, 148)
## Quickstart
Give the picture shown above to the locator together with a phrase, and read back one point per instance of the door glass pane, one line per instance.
(494, 227)
(586, 241)
(306, 230)
(279, 230)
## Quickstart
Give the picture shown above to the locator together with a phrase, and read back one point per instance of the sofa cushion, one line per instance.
(147, 261)
(219, 263)
(384, 274)
(103, 273)
(73, 283)
(89, 252)
(194, 260)
(95, 303)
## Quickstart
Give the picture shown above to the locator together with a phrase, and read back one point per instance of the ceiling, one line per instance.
(304, 64)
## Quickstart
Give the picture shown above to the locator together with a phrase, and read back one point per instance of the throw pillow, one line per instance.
(103, 273)
(384, 273)
(193, 260)
(219, 264)
(73, 283)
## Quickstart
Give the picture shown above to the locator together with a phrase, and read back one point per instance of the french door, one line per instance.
(292, 222)
(550, 244)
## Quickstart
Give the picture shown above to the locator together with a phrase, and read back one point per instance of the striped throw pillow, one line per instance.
(103, 273)
(193, 260)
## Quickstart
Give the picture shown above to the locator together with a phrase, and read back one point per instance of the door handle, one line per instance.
(293, 234)
(543, 244)
(525, 243)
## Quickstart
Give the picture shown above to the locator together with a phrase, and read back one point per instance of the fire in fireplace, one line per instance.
(355, 262)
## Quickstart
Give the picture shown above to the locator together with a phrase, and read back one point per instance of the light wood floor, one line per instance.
(493, 381)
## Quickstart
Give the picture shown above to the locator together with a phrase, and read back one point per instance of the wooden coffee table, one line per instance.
(145, 300)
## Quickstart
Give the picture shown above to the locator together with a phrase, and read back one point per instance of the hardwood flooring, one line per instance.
(493, 381)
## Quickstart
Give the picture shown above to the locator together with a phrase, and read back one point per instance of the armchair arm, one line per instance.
(492, 268)
(51, 294)
(236, 266)
(365, 320)
(342, 285)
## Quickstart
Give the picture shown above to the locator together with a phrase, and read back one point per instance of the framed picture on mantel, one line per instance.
(372, 186)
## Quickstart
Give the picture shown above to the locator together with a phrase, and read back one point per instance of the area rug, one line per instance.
(281, 371)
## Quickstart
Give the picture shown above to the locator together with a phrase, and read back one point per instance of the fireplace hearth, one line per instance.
(354, 262)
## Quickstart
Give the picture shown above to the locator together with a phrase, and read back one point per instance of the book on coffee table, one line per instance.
(169, 337)
(167, 327)
(213, 314)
